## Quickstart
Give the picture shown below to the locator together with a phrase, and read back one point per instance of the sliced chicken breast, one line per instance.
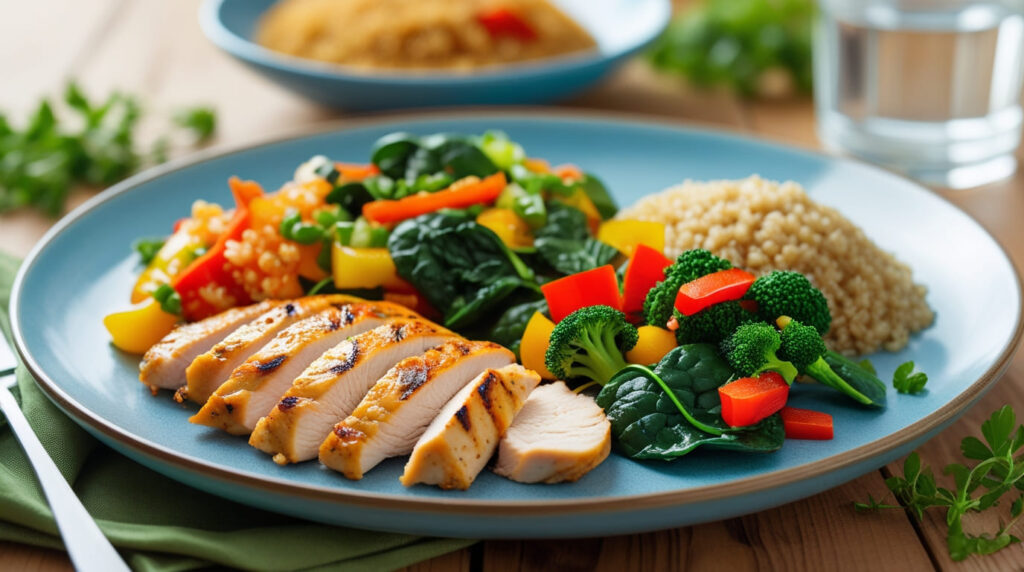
(557, 436)
(208, 371)
(163, 366)
(256, 385)
(461, 439)
(333, 385)
(398, 408)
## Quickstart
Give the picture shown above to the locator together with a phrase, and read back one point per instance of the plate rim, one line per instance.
(482, 507)
(244, 48)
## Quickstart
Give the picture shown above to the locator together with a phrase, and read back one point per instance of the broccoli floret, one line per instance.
(751, 349)
(802, 345)
(688, 267)
(589, 343)
(787, 293)
(711, 325)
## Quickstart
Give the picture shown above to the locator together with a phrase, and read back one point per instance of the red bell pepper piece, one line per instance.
(212, 267)
(750, 399)
(597, 287)
(484, 191)
(503, 22)
(645, 270)
(706, 291)
(807, 424)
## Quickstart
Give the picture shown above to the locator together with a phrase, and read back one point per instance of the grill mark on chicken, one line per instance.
(229, 407)
(334, 324)
(411, 379)
(398, 333)
(287, 403)
(289, 309)
(269, 366)
(463, 416)
(484, 389)
(347, 317)
(463, 349)
(350, 360)
(348, 435)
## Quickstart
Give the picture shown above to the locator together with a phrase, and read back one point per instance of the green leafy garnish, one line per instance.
(999, 469)
(754, 47)
(201, 121)
(91, 144)
(147, 249)
(170, 300)
(906, 380)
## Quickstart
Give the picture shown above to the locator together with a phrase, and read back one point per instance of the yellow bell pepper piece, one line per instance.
(363, 268)
(534, 344)
(626, 234)
(653, 344)
(137, 329)
(172, 258)
(581, 201)
(510, 227)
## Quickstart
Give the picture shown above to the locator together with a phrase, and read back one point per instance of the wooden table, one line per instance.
(155, 49)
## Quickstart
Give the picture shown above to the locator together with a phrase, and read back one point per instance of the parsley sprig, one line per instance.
(92, 144)
(978, 486)
(906, 380)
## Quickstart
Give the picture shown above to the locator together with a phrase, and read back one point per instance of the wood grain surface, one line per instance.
(156, 50)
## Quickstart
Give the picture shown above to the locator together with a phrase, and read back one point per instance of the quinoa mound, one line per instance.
(763, 226)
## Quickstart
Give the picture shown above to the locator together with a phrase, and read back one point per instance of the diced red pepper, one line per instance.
(597, 287)
(717, 287)
(503, 22)
(751, 399)
(646, 268)
(211, 269)
(807, 424)
(464, 195)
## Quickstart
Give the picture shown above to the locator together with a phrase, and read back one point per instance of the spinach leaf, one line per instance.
(649, 425)
(565, 244)
(857, 378)
(403, 156)
(463, 268)
(391, 153)
(508, 330)
(599, 195)
(351, 196)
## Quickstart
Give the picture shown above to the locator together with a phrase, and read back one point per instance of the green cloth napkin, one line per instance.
(160, 524)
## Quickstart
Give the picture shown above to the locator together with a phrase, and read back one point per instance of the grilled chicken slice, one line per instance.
(331, 387)
(557, 436)
(211, 369)
(461, 439)
(163, 366)
(398, 408)
(256, 385)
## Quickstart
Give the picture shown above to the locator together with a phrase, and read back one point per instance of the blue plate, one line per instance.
(83, 270)
(620, 27)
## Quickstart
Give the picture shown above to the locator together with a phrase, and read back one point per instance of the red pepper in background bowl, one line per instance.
(503, 22)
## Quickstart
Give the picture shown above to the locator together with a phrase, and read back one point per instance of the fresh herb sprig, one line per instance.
(999, 469)
(754, 47)
(93, 144)
(906, 380)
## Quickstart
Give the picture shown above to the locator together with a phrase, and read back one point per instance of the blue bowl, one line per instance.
(620, 27)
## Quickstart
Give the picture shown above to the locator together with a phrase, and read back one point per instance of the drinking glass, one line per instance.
(930, 88)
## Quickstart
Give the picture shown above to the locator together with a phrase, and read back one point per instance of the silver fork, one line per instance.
(88, 548)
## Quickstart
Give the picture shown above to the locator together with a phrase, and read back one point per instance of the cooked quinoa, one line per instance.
(425, 34)
(763, 226)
